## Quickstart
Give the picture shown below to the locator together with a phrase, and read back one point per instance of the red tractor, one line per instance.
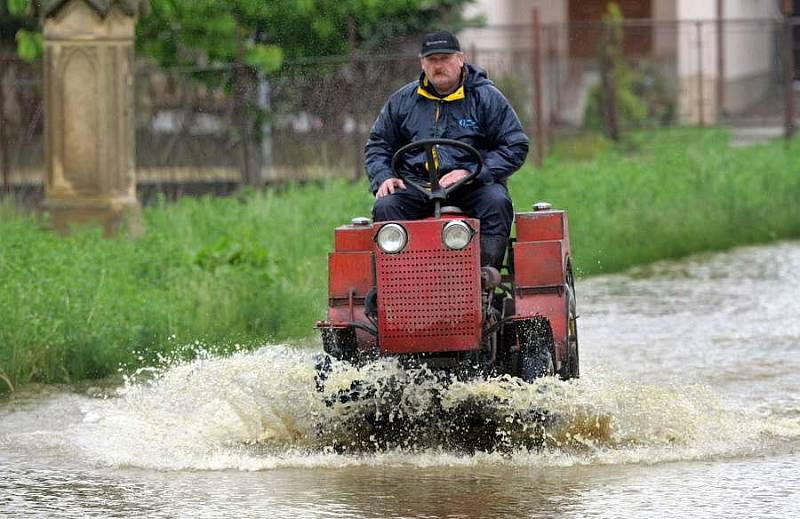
(416, 290)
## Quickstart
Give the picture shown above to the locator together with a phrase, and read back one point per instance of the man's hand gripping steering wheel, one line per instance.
(440, 187)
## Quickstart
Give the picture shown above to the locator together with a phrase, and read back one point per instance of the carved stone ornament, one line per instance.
(50, 8)
(89, 113)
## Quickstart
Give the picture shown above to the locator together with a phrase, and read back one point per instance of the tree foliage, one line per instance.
(19, 30)
(260, 32)
(202, 32)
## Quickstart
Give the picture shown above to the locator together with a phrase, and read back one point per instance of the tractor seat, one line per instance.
(451, 209)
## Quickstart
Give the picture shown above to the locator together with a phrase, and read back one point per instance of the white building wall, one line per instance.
(496, 13)
(748, 45)
(749, 48)
(697, 27)
(500, 15)
(696, 9)
(738, 9)
(749, 59)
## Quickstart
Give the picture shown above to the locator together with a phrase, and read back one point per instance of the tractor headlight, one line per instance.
(457, 234)
(392, 238)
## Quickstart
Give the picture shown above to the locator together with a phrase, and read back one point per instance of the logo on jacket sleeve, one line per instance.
(467, 123)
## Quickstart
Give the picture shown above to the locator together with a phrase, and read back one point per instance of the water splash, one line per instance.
(261, 410)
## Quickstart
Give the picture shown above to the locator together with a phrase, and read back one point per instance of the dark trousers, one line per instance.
(490, 204)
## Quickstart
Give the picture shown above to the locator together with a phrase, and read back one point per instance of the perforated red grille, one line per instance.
(429, 299)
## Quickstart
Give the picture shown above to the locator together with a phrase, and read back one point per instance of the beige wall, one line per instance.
(551, 11)
(494, 13)
(749, 54)
(498, 13)
(664, 40)
(748, 49)
(736, 9)
(511, 12)
(748, 45)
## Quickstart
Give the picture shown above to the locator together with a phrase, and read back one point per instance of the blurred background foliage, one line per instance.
(19, 30)
(261, 32)
(643, 97)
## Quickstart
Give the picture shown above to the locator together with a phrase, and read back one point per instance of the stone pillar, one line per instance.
(89, 121)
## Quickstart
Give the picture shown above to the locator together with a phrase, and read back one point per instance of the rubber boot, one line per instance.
(493, 250)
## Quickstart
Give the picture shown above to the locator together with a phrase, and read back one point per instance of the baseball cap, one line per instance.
(439, 42)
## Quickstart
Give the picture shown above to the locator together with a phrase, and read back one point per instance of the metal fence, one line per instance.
(311, 119)
(21, 128)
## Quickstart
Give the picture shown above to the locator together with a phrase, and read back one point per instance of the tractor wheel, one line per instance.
(340, 343)
(571, 368)
(536, 349)
(337, 343)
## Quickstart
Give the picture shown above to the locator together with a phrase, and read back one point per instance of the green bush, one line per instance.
(644, 99)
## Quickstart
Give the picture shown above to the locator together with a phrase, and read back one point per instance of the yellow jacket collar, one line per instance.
(455, 96)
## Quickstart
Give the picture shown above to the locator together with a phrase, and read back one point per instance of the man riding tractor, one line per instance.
(451, 100)
(433, 278)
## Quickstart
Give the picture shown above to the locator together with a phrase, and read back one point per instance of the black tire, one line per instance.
(337, 344)
(537, 349)
(340, 343)
(571, 368)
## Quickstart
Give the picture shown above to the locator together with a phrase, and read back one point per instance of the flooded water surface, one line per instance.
(688, 405)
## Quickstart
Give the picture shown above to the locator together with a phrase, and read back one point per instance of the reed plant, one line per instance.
(240, 271)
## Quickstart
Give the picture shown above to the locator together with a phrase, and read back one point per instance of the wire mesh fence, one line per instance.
(197, 131)
(21, 125)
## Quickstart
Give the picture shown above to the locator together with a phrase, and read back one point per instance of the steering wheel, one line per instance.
(435, 192)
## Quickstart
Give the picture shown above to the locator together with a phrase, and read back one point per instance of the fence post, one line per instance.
(788, 69)
(552, 62)
(701, 116)
(242, 94)
(351, 47)
(4, 166)
(720, 59)
(538, 116)
(608, 74)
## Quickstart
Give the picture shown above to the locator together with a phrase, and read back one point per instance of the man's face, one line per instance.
(443, 70)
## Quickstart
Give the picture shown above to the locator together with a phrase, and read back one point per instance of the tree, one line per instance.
(629, 95)
(18, 28)
(191, 32)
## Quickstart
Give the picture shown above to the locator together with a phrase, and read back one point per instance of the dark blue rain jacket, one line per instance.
(476, 114)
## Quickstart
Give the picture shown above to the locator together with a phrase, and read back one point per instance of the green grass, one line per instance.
(669, 193)
(246, 269)
(219, 270)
